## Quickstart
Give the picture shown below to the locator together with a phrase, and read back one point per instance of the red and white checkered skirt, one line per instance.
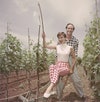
(59, 69)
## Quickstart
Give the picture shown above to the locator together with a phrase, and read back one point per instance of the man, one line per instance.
(72, 41)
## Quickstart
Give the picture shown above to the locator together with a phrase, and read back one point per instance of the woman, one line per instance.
(62, 66)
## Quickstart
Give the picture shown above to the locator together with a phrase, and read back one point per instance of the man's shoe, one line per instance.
(84, 98)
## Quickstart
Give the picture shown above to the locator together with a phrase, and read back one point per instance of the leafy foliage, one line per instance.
(79, 61)
(10, 54)
(91, 57)
(42, 61)
(14, 58)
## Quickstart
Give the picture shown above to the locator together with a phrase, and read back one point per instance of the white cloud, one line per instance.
(24, 6)
(76, 11)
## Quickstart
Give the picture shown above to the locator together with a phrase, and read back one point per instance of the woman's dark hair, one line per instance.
(61, 33)
(70, 24)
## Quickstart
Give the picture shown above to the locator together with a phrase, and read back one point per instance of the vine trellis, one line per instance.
(14, 59)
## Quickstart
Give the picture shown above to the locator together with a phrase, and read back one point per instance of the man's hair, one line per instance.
(61, 33)
(70, 24)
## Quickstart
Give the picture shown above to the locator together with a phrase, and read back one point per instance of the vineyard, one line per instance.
(20, 85)
(24, 72)
(20, 69)
(91, 57)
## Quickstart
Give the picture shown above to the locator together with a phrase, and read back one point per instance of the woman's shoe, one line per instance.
(53, 92)
(46, 95)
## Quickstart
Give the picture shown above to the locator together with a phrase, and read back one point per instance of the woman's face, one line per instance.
(61, 39)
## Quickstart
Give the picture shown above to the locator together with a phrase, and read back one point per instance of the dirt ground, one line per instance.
(69, 95)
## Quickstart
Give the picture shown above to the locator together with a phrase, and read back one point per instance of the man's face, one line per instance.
(69, 29)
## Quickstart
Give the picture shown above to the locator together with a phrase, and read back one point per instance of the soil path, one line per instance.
(69, 95)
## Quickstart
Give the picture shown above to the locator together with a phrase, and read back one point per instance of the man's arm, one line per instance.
(73, 59)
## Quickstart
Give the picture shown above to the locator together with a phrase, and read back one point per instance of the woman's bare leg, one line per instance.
(49, 88)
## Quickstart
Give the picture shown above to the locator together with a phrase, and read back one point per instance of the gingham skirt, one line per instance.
(59, 69)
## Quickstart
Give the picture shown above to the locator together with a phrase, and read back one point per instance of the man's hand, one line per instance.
(71, 71)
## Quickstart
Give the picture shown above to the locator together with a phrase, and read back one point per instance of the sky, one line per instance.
(23, 14)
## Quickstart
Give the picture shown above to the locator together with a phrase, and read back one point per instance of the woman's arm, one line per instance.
(73, 59)
(44, 42)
